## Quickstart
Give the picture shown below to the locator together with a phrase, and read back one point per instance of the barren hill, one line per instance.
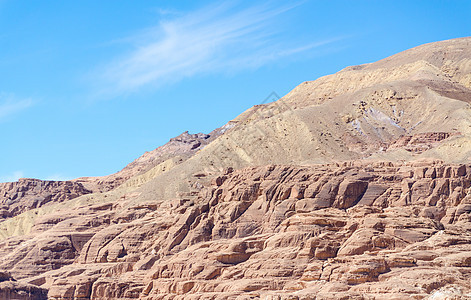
(352, 186)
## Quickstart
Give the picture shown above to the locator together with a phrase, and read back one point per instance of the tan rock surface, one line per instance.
(259, 231)
(344, 189)
(26, 194)
(178, 149)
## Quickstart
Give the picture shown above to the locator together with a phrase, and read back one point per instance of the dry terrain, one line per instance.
(354, 186)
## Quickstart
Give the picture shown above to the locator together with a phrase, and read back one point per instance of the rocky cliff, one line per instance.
(25, 194)
(353, 186)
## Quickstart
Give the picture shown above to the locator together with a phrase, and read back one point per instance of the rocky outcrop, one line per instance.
(179, 148)
(25, 194)
(383, 230)
(11, 289)
(353, 186)
(420, 142)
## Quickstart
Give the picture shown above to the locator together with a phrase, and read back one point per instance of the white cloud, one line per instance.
(12, 177)
(10, 105)
(224, 38)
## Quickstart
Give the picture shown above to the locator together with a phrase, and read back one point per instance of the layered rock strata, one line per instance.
(335, 231)
(271, 205)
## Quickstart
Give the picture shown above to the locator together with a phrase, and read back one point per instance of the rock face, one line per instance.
(421, 142)
(11, 289)
(334, 231)
(26, 194)
(178, 149)
(353, 186)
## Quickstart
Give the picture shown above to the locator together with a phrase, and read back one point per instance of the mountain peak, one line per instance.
(353, 185)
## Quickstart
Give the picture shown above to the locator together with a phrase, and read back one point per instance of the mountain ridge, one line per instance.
(350, 186)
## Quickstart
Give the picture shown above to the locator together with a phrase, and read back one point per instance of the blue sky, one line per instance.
(88, 86)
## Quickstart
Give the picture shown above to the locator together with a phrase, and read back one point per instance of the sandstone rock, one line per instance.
(248, 228)
(290, 203)
(12, 289)
(21, 291)
(26, 194)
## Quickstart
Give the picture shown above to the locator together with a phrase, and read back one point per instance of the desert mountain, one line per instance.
(352, 186)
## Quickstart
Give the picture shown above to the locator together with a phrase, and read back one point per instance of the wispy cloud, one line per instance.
(12, 177)
(225, 38)
(9, 105)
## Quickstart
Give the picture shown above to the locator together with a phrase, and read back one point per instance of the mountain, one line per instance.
(352, 186)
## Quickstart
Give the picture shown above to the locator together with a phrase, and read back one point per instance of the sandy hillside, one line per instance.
(352, 186)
